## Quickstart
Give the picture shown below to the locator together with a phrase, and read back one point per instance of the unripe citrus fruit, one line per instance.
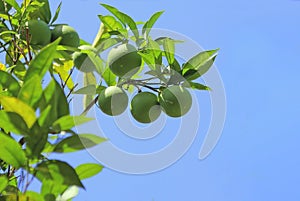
(124, 60)
(69, 36)
(144, 107)
(113, 100)
(81, 59)
(39, 32)
(176, 101)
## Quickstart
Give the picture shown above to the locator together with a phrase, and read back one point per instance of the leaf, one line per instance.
(31, 91)
(68, 122)
(124, 18)
(200, 62)
(88, 90)
(70, 193)
(36, 141)
(88, 79)
(12, 104)
(107, 43)
(42, 61)
(12, 122)
(59, 172)
(3, 183)
(9, 82)
(194, 74)
(149, 24)
(109, 77)
(78, 142)
(50, 190)
(11, 151)
(14, 4)
(56, 13)
(194, 85)
(169, 47)
(110, 22)
(88, 170)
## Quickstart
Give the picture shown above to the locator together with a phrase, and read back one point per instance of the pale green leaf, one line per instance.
(88, 170)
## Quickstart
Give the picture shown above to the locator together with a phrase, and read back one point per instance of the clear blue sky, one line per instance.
(257, 157)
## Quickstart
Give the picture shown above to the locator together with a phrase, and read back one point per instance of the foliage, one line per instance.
(36, 87)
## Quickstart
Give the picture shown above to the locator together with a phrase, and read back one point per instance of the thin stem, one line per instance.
(90, 106)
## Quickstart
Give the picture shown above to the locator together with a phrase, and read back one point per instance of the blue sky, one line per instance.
(257, 157)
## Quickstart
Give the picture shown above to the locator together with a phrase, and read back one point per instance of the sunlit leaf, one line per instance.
(3, 183)
(68, 122)
(149, 24)
(56, 13)
(11, 151)
(88, 170)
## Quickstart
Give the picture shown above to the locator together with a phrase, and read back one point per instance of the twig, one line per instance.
(90, 106)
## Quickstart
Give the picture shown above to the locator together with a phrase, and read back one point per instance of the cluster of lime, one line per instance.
(146, 106)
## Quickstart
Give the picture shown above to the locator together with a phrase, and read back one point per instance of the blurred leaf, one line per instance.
(36, 141)
(59, 172)
(12, 104)
(124, 18)
(42, 61)
(3, 183)
(70, 193)
(31, 91)
(77, 143)
(88, 170)
(149, 24)
(11, 151)
(14, 4)
(194, 85)
(68, 122)
(64, 73)
(9, 82)
(107, 43)
(56, 13)
(88, 90)
(169, 47)
(12, 122)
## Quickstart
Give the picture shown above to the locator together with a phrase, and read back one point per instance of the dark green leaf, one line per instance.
(78, 142)
(88, 170)
(42, 61)
(149, 24)
(9, 82)
(31, 91)
(12, 104)
(36, 141)
(12, 122)
(11, 151)
(59, 172)
(68, 122)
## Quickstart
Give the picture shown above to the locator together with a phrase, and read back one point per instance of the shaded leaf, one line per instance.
(11, 151)
(78, 142)
(194, 85)
(59, 172)
(88, 170)
(12, 122)
(9, 82)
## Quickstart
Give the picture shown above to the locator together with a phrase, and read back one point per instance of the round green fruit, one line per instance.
(145, 108)
(124, 61)
(176, 101)
(39, 32)
(69, 35)
(113, 101)
(81, 59)
(2, 7)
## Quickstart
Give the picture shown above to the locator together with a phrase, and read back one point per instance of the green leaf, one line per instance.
(31, 91)
(9, 82)
(88, 79)
(12, 122)
(88, 90)
(14, 4)
(3, 183)
(59, 172)
(78, 142)
(11, 151)
(56, 13)
(200, 62)
(68, 122)
(42, 61)
(70, 193)
(124, 18)
(36, 141)
(107, 43)
(50, 190)
(12, 104)
(194, 85)
(109, 77)
(169, 47)
(88, 170)
(149, 24)
(110, 22)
